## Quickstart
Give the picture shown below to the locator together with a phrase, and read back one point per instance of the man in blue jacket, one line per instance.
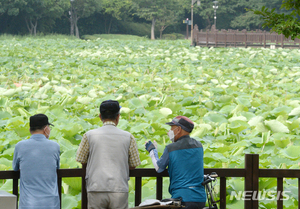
(184, 159)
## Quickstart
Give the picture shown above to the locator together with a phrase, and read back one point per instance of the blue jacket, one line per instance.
(184, 159)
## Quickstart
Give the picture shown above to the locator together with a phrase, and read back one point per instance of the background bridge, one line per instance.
(243, 38)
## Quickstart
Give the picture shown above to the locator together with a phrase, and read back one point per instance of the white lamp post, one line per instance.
(215, 6)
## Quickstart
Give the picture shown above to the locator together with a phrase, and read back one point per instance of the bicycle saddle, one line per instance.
(175, 201)
(172, 199)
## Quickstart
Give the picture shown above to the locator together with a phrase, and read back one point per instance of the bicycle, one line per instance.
(176, 203)
(209, 189)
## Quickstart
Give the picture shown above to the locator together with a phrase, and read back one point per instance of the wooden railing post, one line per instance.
(279, 193)
(207, 38)
(59, 184)
(248, 179)
(216, 37)
(223, 193)
(298, 192)
(265, 38)
(234, 38)
(159, 187)
(255, 180)
(138, 191)
(16, 185)
(245, 38)
(251, 181)
(225, 33)
(84, 203)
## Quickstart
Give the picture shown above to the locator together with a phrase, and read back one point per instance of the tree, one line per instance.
(153, 10)
(107, 15)
(226, 11)
(230, 13)
(247, 19)
(33, 10)
(287, 22)
(116, 9)
(37, 9)
(171, 13)
(11, 6)
(81, 9)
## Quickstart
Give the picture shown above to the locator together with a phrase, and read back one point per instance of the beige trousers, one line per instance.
(103, 200)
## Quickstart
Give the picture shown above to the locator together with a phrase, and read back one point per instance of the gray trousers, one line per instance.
(193, 205)
(106, 200)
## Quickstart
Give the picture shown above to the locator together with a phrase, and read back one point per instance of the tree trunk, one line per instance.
(72, 25)
(162, 29)
(109, 27)
(28, 27)
(152, 28)
(105, 20)
(76, 18)
(73, 21)
(76, 29)
(34, 27)
(208, 21)
(160, 34)
(31, 27)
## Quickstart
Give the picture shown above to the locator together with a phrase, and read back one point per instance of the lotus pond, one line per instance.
(242, 100)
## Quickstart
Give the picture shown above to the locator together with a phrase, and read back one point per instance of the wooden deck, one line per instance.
(244, 38)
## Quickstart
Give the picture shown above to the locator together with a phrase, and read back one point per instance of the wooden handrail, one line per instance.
(251, 173)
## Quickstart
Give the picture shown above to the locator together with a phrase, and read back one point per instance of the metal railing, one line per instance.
(251, 173)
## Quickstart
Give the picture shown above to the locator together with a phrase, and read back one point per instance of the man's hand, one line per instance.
(149, 146)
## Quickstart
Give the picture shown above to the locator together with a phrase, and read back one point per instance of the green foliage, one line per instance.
(130, 16)
(162, 12)
(230, 14)
(39, 36)
(246, 21)
(173, 36)
(241, 100)
(134, 28)
(12, 7)
(118, 9)
(37, 9)
(112, 36)
(86, 8)
(284, 23)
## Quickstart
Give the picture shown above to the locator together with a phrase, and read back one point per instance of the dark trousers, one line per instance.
(193, 205)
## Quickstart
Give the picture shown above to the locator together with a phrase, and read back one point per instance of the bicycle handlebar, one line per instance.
(209, 178)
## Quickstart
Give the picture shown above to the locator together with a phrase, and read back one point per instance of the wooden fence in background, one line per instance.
(251, 174)
(244, 38)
